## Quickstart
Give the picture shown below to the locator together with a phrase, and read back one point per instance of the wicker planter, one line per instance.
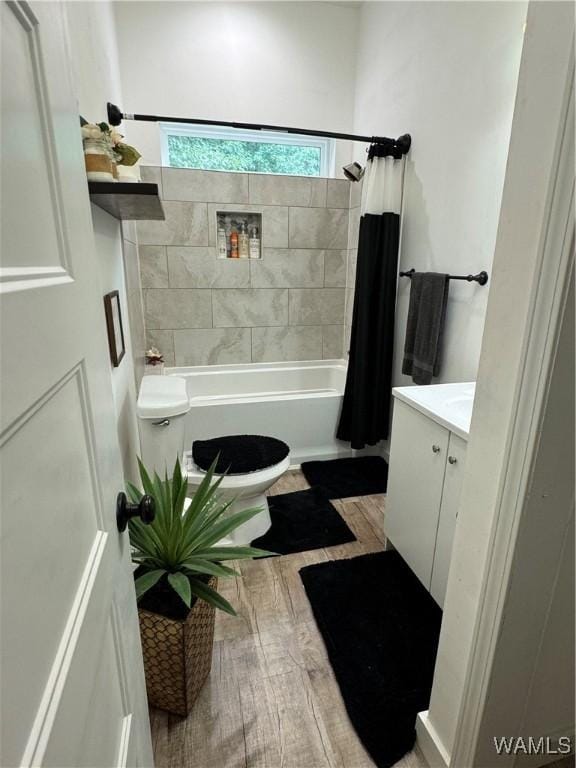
(98, 161)
(177, 655)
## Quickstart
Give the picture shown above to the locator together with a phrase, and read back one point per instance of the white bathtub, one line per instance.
(296, 402)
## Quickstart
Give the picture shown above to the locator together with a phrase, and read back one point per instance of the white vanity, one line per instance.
(427, 458)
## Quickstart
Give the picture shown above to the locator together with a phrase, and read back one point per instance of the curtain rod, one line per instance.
(402, 143)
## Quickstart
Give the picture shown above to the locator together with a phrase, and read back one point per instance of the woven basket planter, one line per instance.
(177, 655)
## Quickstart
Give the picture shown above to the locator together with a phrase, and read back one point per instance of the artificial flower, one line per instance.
(91, 131)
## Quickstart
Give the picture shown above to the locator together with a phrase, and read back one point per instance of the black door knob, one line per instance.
(145, 509)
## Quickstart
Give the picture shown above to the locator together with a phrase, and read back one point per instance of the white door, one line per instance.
(417, 461)
(448, 514)
(71, 668)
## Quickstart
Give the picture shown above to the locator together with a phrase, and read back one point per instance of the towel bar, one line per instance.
(481, 277)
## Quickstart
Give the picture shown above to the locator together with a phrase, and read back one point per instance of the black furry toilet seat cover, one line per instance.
(239, 454)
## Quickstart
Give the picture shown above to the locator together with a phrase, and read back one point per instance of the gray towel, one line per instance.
(424, 329)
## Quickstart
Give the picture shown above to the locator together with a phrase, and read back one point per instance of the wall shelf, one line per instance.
(127, 201)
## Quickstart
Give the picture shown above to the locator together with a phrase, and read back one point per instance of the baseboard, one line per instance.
(436, 756)
(429, 743)
(300, 457)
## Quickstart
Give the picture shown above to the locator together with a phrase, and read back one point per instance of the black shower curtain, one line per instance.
(365, 415)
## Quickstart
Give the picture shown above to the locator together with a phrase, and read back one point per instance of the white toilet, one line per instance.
(162, 408)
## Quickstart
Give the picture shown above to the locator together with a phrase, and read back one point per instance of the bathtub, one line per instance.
(295, 402)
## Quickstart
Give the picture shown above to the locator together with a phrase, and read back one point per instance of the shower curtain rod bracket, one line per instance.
(404, 143)
(401, 144)
(114, 114)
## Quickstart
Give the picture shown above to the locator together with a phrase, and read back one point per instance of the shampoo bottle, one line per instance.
(254, 243)
(222, 242)
(243, 248)
(233, 244)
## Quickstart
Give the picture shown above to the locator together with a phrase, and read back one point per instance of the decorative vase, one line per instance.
(177, 655)
(114, 160)
(98, 160)
(156, 369)
(129, 174)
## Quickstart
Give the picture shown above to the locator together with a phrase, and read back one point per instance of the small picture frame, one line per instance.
(114, 327)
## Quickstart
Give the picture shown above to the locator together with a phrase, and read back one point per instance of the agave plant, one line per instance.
(182, 541)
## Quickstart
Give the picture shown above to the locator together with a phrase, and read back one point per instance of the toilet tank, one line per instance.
(161, 408)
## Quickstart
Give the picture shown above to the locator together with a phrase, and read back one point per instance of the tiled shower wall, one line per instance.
(353, 230)
(134, 298)
(289, 305)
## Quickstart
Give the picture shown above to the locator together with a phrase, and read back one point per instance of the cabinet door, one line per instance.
(417, 460)
(448, 515)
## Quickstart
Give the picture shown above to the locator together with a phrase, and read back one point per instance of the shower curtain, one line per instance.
(365, 415)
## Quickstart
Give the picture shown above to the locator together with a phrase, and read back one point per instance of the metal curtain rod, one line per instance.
(481, 277)
(402, 143)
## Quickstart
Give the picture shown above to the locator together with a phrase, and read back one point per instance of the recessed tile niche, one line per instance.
(233, 220)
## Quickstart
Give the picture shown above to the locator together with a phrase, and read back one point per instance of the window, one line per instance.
(224, 149)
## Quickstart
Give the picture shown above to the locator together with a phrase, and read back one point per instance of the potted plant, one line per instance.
(178, 562)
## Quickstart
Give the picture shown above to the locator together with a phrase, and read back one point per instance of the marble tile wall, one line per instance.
(352, 253)
(288, 305)
(134, 298)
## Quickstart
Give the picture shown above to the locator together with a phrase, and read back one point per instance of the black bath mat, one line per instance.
(348, 477)
(380, 628)
(301, 521)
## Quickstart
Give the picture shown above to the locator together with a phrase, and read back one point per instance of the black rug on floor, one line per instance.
(348, 477)
(303, 520)
(380, 628)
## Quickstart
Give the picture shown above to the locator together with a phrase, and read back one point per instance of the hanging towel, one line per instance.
(424, 329)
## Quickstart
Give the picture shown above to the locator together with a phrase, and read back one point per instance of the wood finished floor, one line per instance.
(272, 700)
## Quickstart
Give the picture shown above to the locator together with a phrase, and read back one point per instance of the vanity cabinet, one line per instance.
(447, 518)
(424, 483)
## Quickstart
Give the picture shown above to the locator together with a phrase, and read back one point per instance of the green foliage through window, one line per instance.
(250, 156)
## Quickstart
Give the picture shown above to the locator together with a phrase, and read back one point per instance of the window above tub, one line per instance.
(224, 149)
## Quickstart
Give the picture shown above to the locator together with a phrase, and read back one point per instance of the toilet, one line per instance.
(162, 407)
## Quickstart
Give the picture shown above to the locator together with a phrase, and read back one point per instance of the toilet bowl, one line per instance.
(248, 491)
(162, 407)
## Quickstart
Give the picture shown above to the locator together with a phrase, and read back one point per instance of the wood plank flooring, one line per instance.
(272, 700)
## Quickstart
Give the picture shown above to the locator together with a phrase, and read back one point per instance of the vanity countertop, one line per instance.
(447, 404)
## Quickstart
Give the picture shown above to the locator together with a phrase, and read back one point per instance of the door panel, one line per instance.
(448, 514)
(33, 534)
(415, 487)
(97, 718)
(28, 149)
(72, 677)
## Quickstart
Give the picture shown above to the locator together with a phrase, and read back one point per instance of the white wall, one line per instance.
(94, 57)
(261, 62)
(445, 72)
